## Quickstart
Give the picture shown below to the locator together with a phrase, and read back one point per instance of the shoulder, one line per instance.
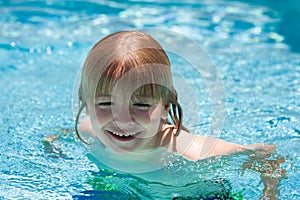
(184, 142)
(194, 147)
(180, 144)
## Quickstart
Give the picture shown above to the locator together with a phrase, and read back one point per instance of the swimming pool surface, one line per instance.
(43, 44)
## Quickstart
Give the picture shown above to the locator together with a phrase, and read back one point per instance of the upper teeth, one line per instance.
(123, 134)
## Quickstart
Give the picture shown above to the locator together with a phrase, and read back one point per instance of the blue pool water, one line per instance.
(43, 44)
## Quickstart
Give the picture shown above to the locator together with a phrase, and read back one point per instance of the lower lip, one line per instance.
(123, 139)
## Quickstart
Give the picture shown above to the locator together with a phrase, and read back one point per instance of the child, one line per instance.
(131, 107)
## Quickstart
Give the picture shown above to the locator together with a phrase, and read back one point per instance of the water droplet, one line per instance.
(13, 44)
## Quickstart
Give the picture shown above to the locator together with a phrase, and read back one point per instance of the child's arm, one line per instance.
(271, 173)
(195, 147)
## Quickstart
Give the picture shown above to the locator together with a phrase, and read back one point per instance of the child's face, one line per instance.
(126, 124)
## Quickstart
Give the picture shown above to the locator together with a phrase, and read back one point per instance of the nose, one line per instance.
(121, 115)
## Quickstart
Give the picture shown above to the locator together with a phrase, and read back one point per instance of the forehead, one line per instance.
(145, 80)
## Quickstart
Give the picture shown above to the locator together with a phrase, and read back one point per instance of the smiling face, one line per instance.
(127, 88)
(128, 123)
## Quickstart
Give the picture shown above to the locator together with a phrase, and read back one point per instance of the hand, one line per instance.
(261, 149)
(264, 161)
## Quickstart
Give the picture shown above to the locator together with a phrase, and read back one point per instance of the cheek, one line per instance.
(149, 116)
(141, 117)
(155, 112)
(102, 116)
(155, 121)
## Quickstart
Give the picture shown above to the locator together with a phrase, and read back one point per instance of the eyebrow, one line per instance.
(144, 96)
(102, 96)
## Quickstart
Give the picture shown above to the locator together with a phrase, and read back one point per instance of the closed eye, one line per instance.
(142, 105)
(104, 105)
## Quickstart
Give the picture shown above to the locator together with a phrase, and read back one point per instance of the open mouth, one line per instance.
(123, 136)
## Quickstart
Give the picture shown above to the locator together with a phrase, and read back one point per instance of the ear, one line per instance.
(165, 111)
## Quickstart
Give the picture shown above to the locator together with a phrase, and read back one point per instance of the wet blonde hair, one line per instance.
(133, 52)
